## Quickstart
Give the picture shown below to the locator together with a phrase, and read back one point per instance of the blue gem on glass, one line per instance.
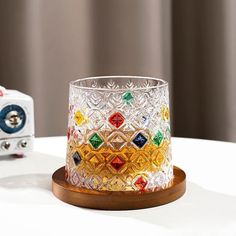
(145, 120)
(140, 140)
(77, 158)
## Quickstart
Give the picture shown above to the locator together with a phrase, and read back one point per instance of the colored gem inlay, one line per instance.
(168, 129)
(128, 97)
(140, 183)
(96, 141)
(79, 118)
(165, 113)
(158, 138)
(158, 159)
(144, 120)
(140, 140)
(77, 158)
(117, 163)
(141, 161)
(94, 161)
(117, 119)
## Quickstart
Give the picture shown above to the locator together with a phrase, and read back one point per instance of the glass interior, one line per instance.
(118, 82)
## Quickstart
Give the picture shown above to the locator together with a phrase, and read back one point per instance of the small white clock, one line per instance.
(16, 122)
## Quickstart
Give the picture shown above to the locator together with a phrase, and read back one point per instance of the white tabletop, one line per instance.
(28, 207)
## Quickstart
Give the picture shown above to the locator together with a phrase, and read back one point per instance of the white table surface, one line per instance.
(28, 207)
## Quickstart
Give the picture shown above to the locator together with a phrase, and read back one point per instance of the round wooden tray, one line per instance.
(116, 200)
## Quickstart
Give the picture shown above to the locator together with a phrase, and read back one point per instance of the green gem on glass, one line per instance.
(128, 97)
(96, 141)
(158, 138)
(168, 129)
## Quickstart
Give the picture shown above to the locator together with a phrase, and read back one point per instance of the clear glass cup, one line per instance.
(119, 134)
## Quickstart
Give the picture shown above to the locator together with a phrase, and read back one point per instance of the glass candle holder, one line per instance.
(119, 135)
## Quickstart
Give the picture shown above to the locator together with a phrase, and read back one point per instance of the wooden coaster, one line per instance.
(116, 200)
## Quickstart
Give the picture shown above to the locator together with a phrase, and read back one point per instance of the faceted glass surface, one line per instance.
(119, 134)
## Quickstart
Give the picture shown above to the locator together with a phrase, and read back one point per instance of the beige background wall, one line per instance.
(191, 43)
(49, 43)
(204, 68)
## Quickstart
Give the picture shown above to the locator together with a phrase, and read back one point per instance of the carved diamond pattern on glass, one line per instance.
(117, 140)
(120, 138)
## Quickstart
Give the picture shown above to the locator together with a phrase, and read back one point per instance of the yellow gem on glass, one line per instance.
(79, 118)
(165, 113)
(94, 161)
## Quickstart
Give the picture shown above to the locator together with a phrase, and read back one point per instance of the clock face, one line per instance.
(12, 118)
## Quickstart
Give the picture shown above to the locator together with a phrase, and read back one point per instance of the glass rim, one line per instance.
(74, 85)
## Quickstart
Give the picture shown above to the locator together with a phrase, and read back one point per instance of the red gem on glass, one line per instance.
(140, 183)
(117, 163)
(75, 135)
(117, 119)
(68, 134)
